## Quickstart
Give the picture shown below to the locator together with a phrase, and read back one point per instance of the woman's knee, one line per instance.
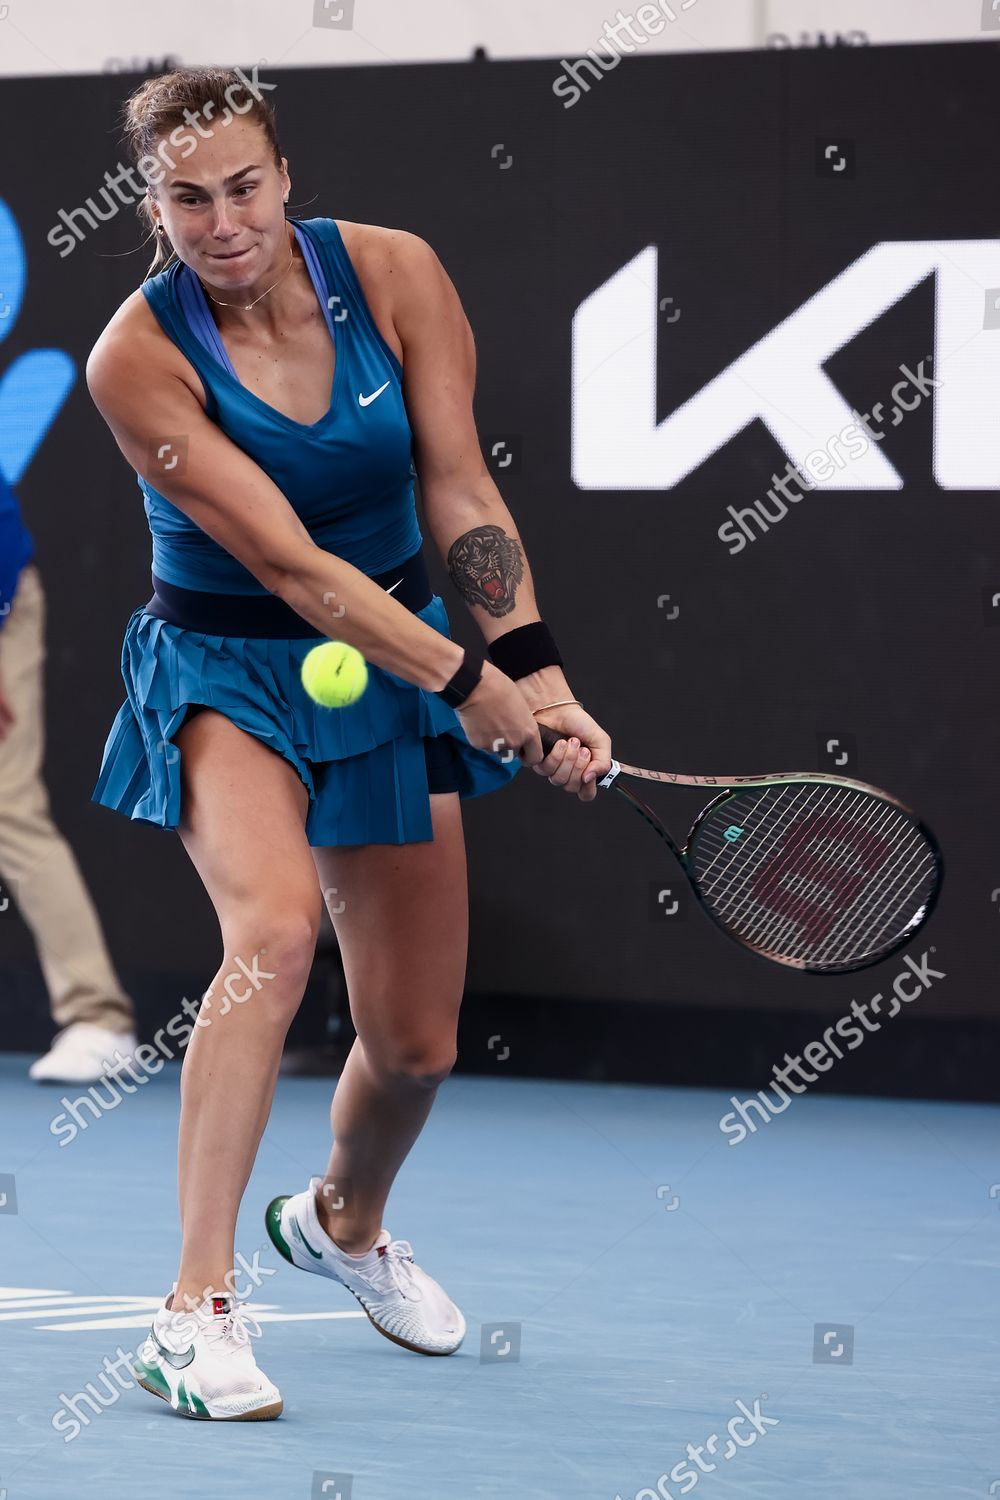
(421, 1062)
(272, 950)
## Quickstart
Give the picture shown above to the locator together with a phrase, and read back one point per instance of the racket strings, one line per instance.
(914, 874)
(773, 925)
(891, 900)
(850, 927)
(783, 888)
(726, 847)
(797, 937)
(735, 878)
(731, 892)
(845, 806)
(776, 926)
(878, 915)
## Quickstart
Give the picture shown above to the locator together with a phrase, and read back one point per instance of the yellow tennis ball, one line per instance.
(334, 674)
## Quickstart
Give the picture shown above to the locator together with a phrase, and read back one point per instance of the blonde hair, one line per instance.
(156, 108)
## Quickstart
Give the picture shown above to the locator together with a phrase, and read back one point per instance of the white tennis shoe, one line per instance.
(84, 1053)
(201, 1362)
(400, 1299)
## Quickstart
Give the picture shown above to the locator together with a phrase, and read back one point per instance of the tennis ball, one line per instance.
(334, 674)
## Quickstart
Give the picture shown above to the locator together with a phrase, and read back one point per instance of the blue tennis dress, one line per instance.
(349, 477)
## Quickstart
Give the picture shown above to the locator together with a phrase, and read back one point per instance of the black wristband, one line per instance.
(465, 679)
(527, 648)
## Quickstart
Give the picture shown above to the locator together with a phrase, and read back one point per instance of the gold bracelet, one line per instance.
(560, 704)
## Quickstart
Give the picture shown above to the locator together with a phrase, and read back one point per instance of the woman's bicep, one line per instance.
(164, 433)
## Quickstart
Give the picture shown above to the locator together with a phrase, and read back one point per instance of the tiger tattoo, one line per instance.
(486, 566)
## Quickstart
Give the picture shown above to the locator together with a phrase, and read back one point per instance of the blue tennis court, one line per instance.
(825, 1292)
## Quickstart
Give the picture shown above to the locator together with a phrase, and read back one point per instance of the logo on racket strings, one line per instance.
(733, 832)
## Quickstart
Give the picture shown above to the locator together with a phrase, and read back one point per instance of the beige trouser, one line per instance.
(37, 866)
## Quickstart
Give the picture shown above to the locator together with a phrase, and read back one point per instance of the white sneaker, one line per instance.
(202, 1363)
(400, 1299)
(84, 1053)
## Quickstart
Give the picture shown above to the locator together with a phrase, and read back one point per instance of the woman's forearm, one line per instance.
(348, 606)
(487, 564)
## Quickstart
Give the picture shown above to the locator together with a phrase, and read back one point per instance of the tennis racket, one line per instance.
(818, 872)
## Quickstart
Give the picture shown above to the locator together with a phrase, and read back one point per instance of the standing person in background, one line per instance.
(36, 863)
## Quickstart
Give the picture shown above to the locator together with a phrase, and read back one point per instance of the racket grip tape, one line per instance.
(549, 737)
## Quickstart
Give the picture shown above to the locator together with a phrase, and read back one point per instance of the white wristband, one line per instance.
(610, 775)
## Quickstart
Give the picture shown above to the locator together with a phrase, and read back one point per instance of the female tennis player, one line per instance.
(277, 384)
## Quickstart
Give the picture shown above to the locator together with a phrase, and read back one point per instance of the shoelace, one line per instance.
(236, 1328)
(394, 1270)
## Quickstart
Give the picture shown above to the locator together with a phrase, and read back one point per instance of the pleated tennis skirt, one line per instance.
(363, 766)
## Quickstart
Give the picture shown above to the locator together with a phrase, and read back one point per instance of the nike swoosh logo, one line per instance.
(317, 1254)
(395, 585)
(179, 1361)
(367, 400)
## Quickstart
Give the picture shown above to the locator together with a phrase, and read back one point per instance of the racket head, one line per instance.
(824, 876)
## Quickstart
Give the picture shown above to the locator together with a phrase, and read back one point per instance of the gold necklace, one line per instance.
(253, 304)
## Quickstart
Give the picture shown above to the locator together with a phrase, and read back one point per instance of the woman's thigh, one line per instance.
(243, 813)
(401, 915)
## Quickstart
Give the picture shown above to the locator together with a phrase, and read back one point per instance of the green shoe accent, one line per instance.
(151, 1376)
(197, 1405)
(272, 1223)
(316, 1254)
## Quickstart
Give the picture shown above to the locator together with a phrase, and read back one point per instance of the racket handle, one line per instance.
(549, 737)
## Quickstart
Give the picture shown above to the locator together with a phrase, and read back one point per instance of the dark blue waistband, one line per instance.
(265, 616)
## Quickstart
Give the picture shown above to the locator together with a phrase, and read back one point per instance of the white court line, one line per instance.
(54, 1299)
(76, 1313)
(143, 1320)
(86, 1307)
(29, 1291)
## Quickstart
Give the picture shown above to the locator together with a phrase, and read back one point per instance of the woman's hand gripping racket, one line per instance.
(818, 872)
